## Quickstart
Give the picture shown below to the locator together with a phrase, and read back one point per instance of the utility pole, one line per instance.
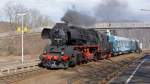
(22, 35)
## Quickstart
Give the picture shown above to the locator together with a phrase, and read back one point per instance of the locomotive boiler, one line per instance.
(62, 34)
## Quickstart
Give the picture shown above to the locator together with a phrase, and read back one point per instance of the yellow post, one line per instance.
(25, 29)
(18, 29)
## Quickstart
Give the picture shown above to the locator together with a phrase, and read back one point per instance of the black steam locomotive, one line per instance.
(74, 45)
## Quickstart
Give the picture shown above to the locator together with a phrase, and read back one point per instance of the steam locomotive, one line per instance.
(74, 45)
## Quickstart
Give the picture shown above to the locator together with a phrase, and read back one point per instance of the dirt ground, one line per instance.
(91, 73)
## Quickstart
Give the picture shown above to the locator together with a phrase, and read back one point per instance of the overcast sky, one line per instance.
(56, 8)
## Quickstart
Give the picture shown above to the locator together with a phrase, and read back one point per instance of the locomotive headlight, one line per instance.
(62, 53)
(44, 52)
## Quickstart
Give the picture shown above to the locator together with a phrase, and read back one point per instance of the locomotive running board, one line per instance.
(46, 33)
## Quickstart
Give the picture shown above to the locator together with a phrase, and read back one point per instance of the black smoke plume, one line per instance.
(73, 17)
(106, 11)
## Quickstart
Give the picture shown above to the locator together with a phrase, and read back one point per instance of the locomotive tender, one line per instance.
(74, 45)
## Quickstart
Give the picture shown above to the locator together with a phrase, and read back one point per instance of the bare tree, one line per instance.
(9, 12)
(32, 19)
(12, 9)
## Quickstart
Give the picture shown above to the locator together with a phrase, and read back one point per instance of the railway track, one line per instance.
(11, 78)
(22, 75)
(13, 73)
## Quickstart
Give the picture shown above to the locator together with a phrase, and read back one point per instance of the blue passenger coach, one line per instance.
(122, 45)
